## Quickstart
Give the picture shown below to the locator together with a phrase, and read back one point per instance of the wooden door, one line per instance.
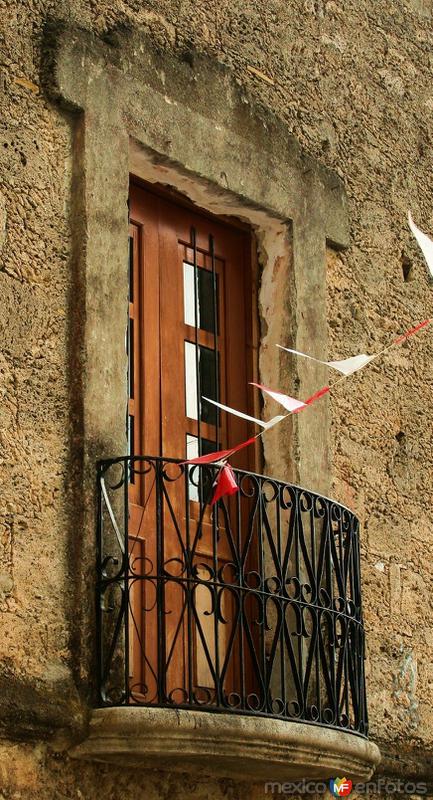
(191, 335)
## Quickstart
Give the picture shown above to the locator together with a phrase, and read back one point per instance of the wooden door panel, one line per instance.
(164, 236)
(145, 308)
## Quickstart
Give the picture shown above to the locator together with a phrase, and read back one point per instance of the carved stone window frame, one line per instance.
(189, 124)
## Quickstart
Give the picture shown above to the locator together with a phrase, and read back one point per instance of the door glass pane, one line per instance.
(199, 477)
(131, 269)
(205, 297)
(190, 381)
(131, 444)
(207, 384)
(131, 359)
(188, 295)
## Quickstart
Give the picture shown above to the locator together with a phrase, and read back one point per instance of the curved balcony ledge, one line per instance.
(241, 748)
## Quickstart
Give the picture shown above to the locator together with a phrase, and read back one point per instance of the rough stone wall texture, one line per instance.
(352, 80)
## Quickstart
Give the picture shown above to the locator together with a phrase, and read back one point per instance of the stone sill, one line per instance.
(222, 745)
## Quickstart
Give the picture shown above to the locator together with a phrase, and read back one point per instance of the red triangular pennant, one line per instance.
(219, 455)
(225, 484)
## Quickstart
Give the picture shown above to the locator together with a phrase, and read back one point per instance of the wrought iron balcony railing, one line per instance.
(250, 607)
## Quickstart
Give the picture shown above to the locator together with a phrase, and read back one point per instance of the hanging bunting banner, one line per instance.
(425, 243)
(220, 455)
(225, 484)
(290, 403)
(350, 365)
(346, 367)
(265, 425)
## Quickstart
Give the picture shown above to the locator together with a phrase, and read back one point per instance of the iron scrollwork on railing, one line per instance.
(251, 607)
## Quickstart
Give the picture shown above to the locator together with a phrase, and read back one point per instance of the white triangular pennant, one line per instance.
(290, 403)
(425, 243)
(349, 365)
(265, 425)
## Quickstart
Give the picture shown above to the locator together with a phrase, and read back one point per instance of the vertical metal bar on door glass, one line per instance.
(215, 335)
(196, 324)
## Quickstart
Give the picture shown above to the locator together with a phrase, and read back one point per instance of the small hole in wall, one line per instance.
(188, 56)
(421, 148)
(406, 265)
(400, 436)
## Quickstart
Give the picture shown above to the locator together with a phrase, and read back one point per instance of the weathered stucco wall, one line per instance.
(352, 82)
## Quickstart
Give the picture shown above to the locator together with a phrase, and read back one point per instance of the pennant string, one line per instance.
(412, 331)
(321, 392)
